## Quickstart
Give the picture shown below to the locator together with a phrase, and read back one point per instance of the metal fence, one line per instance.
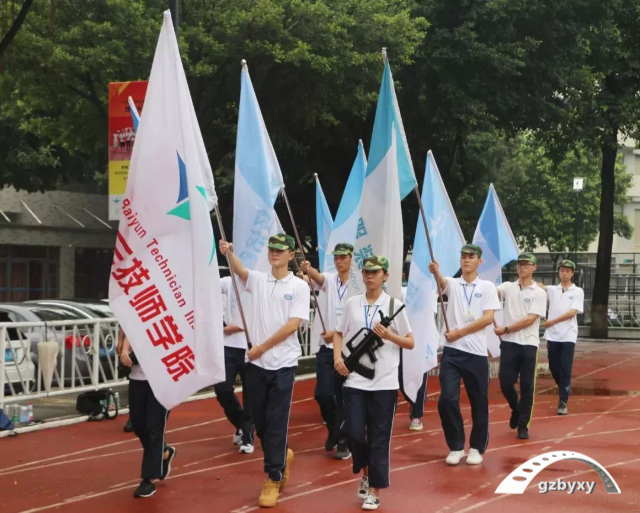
(86, 358)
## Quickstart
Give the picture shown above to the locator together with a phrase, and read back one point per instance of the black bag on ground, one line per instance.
(96, 403)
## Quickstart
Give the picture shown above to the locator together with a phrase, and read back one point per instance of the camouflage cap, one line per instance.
(374, 263)
(281, 242)
(473, 249)
(569, 264)
(527, 257)
(343, 249)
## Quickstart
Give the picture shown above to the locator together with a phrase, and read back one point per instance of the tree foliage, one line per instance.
(536, 192)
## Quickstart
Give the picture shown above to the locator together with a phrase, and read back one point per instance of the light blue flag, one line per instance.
(499, 247)
(422, 294)
(345, 228)
(345, 225)
(388, 115)
(134, 114)
(324, 223)
(389, 178)
(258, 181)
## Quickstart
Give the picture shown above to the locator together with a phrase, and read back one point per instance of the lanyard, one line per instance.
(369, 323)
(341, 290)
(470, 297)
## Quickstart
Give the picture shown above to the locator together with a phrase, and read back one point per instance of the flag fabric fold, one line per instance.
(422, 295)
(493, 234)
(258, 181)
(165, 285)
(345, 225)
(388, 179)
(324, 224)
(135, 116)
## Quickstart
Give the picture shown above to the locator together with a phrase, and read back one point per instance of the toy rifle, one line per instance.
(367, 346)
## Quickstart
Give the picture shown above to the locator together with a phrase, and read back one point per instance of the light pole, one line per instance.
(578, 184)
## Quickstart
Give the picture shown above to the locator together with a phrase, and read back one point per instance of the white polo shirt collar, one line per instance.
(272, 278)
(378, 302)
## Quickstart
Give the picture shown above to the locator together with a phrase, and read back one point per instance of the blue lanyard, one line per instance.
(368, 323)
(343, 288)
(470, 297)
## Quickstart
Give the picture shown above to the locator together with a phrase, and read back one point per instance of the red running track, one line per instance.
(94, 467)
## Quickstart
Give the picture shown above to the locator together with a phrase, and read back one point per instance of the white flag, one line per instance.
(165, 285)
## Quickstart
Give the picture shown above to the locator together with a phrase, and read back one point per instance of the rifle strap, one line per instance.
(392, 306)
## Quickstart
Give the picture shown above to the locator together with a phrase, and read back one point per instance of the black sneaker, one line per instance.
(146, 489)
(523, 433)
(128, 427)
(166, 463)
(343, 452)
(515, 417)
(331, 443)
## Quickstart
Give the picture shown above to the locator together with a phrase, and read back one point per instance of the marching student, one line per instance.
(328, 391)
(235, 348)
(279, 303)
(149, 420)
(566, 301)
(470, 310)
(524, 304)
(370, 404)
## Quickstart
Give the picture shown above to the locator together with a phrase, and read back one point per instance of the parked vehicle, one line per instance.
(19, 367)
(74, 338)
(84, 309)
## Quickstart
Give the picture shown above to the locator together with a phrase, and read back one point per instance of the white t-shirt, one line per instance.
(231, 313)
(467, 303)
(560, 302)
(335, 298)
(518, 303)
(359, 314)
(273, 303)
(137, 374)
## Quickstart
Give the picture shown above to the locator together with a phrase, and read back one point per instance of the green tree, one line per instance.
(602, 105)
(484, 66)
(536, 192)
(316, 68)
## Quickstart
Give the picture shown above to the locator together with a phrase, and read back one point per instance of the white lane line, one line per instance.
(431, 462)
(174, 430)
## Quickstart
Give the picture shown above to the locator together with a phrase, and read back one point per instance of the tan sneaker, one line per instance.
(269, 495)
(287, 468)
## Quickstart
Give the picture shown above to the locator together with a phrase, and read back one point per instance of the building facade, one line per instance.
(56, 244)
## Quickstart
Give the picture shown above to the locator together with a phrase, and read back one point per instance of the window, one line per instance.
(28, 272)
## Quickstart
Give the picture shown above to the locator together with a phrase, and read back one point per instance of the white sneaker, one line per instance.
(454, 457)
(237, 437)
(474, 457)
(246, 449)
(371, 503)
(363, 488)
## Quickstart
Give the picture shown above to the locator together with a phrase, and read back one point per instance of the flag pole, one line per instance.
(233, 279)
(426, 229)
(316, 307)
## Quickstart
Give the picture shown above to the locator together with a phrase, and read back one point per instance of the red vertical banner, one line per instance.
(121, 138)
